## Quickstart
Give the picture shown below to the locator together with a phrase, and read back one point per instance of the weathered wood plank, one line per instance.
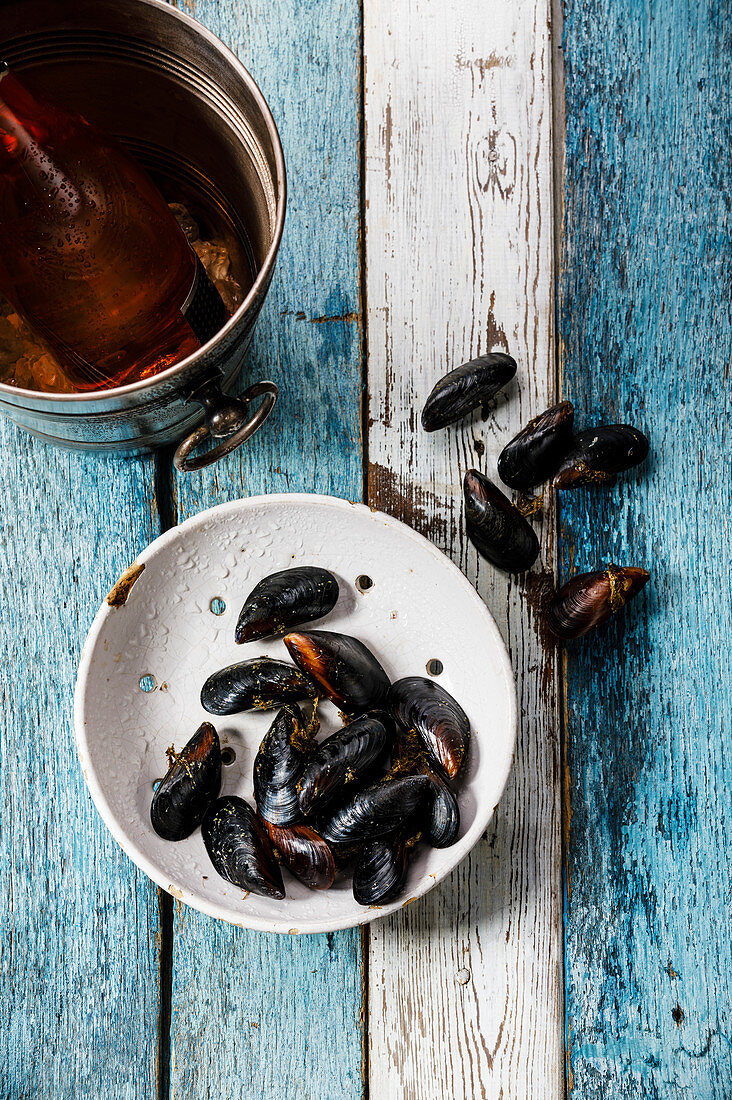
(465, 986)
(79, 946)
(254, 1015)
(647, 338)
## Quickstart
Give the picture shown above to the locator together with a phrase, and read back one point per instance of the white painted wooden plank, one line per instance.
(465, 987)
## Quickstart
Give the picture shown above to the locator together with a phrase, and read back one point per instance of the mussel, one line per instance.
(597, 454)
(495, 526)
(589, 599)
(260, 683)
(192, 782)
(305, 853)
(535, 453)
(380, 871)
(286, 599)
(238, 845)
(343, 759)
(467, 388)
(377, 810)
(438, 720)
(440, 815)
(278, 765)
(346, 670)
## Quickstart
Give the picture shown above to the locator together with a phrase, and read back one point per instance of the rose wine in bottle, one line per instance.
(90, 254)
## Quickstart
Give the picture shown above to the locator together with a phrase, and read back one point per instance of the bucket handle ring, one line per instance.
(227, 418)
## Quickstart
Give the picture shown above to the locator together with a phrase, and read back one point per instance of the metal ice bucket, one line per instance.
(184, 104)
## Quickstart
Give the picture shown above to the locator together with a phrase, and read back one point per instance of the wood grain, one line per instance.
(79, 945)
(255, 1015)
(465, 986)
(647, 338)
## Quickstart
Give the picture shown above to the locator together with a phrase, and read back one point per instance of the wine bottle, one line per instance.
(90, 254)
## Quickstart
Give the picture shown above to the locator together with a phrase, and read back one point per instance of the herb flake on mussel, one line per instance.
(440, 816)
(589, 599)
(598, 454)
(534, 455)
(381, 870)
(495, 526)
(466, 388)
(345, 669)
(192, 782)
(424, 707)
(304, 852)
(286, 599)
(278, 765)
(344, 759)
(376, 811)
(238, 845)
(260, 683)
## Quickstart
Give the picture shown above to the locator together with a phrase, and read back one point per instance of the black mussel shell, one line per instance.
(534, 455)
(238, 845)
(346, 670)
(192, 783)
(260, 683)
(589, 599)
(598, 454)
(495, 526)
(345, 758)
(467, 388)
(305, 854)
(278, 765)
(377, 810)
(438, 720)
(440, 817)
(380, 871)
(286, 599)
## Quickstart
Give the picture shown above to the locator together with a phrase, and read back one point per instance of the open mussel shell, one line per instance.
(495, 526)
(589, 599)
(424, 707)
(598, 454)
(534, 455)
(344, 759)
(239, 848)
(278, 765)
(304, 852)
(467, 388)
(377, 810)
(286, 599)
(192, 783)
(260, 683)
(380, 872)
(345, 669)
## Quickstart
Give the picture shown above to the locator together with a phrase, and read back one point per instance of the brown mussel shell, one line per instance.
(495, 526)
(238, 845)
(305, 854)
(192, 783)
(345, 669)
(424, 707)
(260, 683)
(380, 872)
(589, 599)
(344, 759)
(376, 811)
(467, 388)
(534, 455)
(278, 765)
(286, 599)
(598, 454)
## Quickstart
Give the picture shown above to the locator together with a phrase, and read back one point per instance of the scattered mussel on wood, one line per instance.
(598, 454)
(284, 600)
(239, 847)
(345, 669)
(426, 708)
(466, 389)
(261, 683)
(535, 454)
(495, 526)
(589, 599)
(304, 852)
(278, 766)
(191, 784)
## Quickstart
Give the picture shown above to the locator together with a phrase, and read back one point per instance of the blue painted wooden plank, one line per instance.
(258, 1016)
(647, 337)
(79, 951)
